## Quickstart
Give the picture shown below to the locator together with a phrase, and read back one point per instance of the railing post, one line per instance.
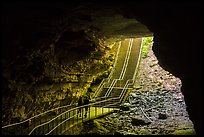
(102, 110)
(33, 133)
(13, 128)
(43, 129)
(53, 132)
(22, 130)
(34, 122)
(30, 126)
(69, 121)
(56, 125)
(95, 111)
(73, 114)
(82, 113)
(108, 106)
(61, 124)
(48, 127)
(66, 121)
(89, 112)
(105, 103)
(37, 131)
(56, 129)
(40, 120)
(77, 116)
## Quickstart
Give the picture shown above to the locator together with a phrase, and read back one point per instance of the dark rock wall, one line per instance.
(46, 54)
(177, 29)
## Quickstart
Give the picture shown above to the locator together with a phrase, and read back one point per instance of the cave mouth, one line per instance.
(159, 90)
(156, 99)
(30, 55)
(158, 85)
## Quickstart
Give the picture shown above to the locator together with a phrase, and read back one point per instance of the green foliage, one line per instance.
(146, 45)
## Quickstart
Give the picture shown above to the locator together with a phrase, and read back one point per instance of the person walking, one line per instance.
(80, 103)
(86, 102)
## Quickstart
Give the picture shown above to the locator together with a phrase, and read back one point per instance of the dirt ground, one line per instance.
(157, 106)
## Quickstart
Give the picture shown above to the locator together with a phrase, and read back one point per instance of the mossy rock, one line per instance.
(184, 132)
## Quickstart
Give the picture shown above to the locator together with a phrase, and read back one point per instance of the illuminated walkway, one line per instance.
(124, 72)
(107, 98)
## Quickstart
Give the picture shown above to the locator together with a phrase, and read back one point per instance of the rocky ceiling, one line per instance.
(176, 26)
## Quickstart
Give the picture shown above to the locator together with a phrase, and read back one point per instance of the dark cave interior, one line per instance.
(32, 26)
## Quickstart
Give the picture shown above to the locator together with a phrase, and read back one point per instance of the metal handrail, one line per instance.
(133, 79)
(37, 116)
(98, 102)
(66, 105)
(124, 67)
(110, 75)
(126, 59)
(99, 87)
(18, 123)
(139, 56)
(69, 111)
(97, 98)
(60, 124)
(111, 104)
(111, 87)
(123, 91)
(113, 83)
(117, 87)
(74, 116)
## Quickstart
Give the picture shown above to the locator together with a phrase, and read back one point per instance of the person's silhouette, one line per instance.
(80, 103)
(86, 102)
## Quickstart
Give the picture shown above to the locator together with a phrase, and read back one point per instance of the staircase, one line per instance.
(123, 74)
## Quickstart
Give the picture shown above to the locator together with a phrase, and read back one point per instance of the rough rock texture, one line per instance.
(48, 63)
(34, 33)
(177, 45)
(51, 78)
(156, 101)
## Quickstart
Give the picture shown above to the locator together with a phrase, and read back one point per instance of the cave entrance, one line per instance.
(157, 97)
(153, 106)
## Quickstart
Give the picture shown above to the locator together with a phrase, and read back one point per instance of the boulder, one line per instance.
(125, 107)
(133, 95)
(138, 121)
(162, 116)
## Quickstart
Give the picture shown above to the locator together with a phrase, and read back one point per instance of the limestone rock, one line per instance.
(125, 107)
(137, 121)
(162, 116)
